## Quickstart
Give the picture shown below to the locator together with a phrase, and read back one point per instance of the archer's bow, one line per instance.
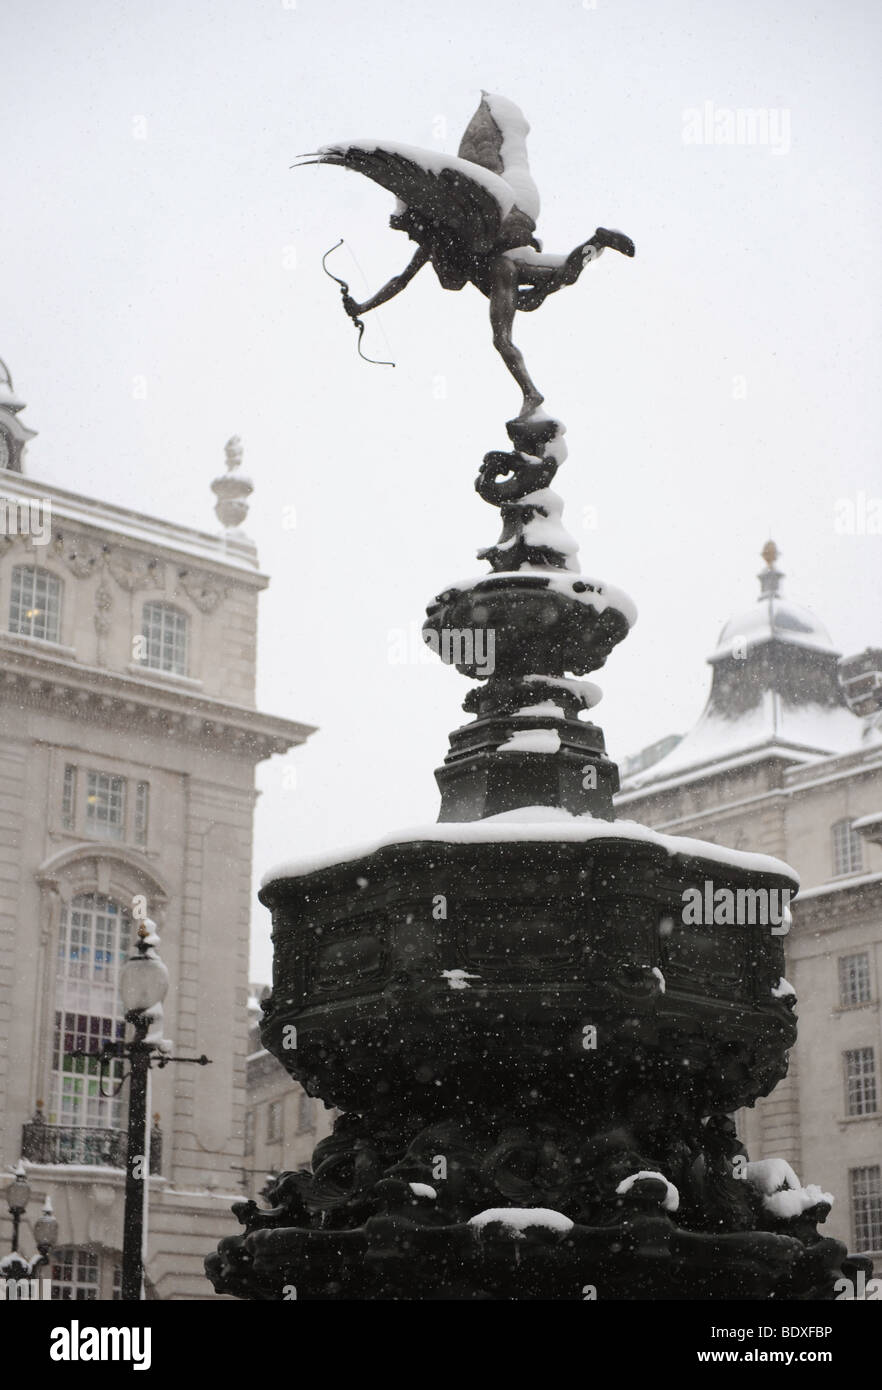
(359, 323)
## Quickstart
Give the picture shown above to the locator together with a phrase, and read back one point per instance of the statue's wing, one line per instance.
(468, 200)
(496, 138)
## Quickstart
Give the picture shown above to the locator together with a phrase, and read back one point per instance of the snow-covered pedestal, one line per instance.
(515, 1017)
(536, 1019)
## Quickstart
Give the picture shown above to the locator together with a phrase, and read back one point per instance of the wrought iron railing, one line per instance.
(83, 1144)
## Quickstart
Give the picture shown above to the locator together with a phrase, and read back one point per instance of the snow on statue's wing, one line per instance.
(451, 192)
(496, 138)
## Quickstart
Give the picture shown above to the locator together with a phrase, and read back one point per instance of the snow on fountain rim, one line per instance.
(590, 693)
(671, 1199)
(522, 1218)
(782, 1192)
(599, 595)
(534, 824)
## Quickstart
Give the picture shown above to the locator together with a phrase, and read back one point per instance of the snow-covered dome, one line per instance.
(14, 433)
(8, 398)
(773, 617)
(775, 688)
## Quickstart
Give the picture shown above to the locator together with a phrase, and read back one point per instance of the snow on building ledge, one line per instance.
(229, 551)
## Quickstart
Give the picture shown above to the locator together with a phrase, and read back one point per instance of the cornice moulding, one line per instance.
(229, 552)
(93, 693)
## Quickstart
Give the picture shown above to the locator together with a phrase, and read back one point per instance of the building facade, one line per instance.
(128, 741)
(787, 759)
(282, 1123)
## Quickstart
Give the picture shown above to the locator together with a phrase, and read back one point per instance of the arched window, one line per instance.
(164, 638)
(93, 943)
(848, 856)
(35, 603)
(84, 1275)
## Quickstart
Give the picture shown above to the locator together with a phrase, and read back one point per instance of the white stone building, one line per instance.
(128, 743)
(787, 759)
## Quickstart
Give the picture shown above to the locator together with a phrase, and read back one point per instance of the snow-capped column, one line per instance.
(528, 631)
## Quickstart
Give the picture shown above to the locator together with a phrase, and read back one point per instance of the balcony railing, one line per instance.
(83, 1144)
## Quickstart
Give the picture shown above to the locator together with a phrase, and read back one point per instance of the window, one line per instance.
(164, 632)
(102, 804)
(105, 805)
(848, 855)
(35, 603)
(69, 797)
(249, 1132)
(75, 1275)
(866, 1207)
(274, 1121)
(93, 943)
(142, 811)
(304, 1115)
(860, 1082)
(854, 980)
(82, 1276)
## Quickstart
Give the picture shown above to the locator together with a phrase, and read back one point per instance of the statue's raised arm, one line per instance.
(473, 216)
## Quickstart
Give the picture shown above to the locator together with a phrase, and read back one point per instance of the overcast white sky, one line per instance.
(722, 385)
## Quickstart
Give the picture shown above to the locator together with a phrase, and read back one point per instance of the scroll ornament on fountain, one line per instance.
(542, 626)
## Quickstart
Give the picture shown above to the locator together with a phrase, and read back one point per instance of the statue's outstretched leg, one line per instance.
(591, 249)
(503, 303)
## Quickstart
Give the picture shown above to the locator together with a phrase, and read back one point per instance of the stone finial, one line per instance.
(232, 489)
(770, 553)
(13, 434)
(770, 578)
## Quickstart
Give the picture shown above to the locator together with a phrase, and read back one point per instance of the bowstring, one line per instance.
(359, 323)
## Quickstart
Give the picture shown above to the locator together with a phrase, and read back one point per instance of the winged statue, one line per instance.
(473, 217)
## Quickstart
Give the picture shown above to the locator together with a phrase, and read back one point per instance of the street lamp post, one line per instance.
(14, 1266)
(18, 1194)
(143, 986)
(133, 1218)
(45, 1232)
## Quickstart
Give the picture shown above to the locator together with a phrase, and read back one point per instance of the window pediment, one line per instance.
(116, 872)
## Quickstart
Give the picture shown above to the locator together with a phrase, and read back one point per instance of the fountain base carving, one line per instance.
(534, 1204)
